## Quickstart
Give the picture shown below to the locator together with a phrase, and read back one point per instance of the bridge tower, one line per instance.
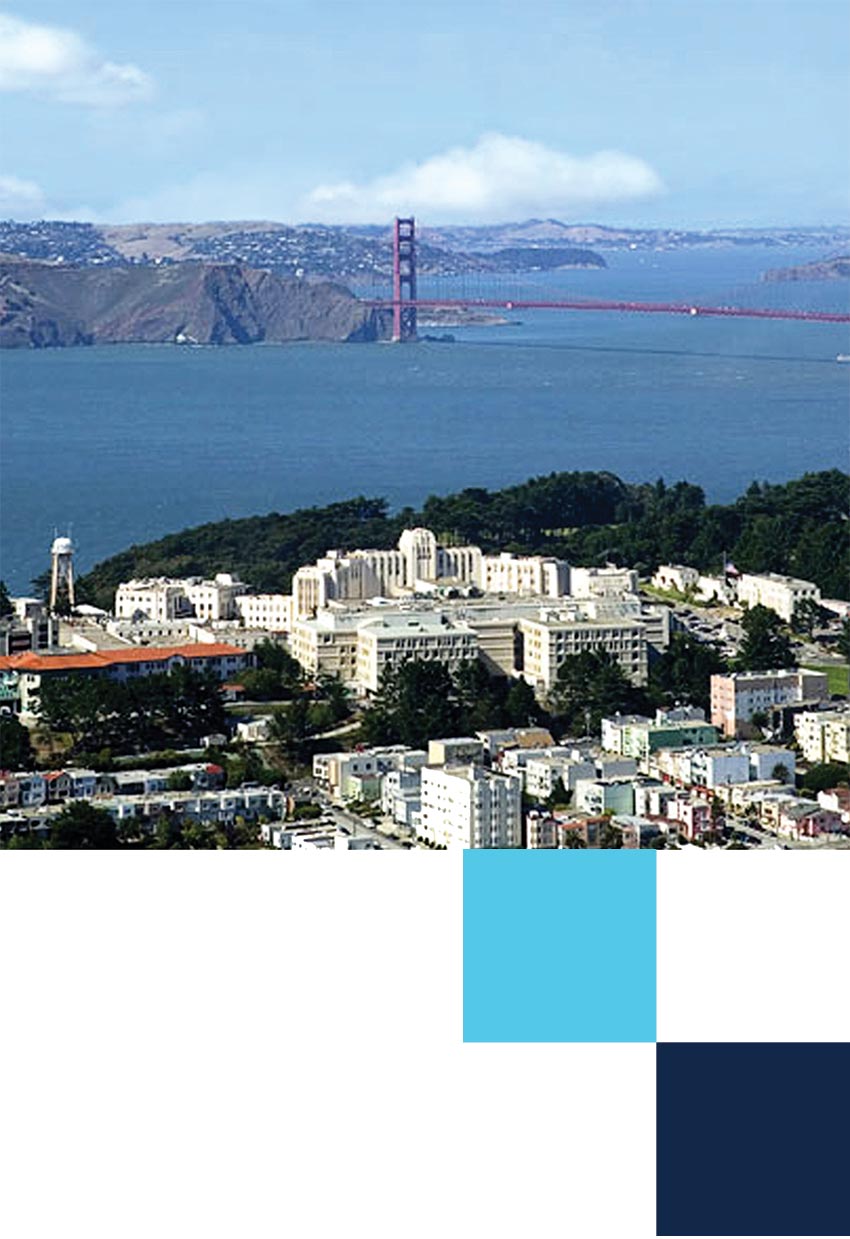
(404, 279)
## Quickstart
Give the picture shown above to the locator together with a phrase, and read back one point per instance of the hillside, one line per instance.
(837, 268)
(587, 518)
(49, 304)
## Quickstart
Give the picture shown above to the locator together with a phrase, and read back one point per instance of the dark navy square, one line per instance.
(752, 1138)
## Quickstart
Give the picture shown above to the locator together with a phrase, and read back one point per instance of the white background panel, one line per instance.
(208, 1044)
(752, 945)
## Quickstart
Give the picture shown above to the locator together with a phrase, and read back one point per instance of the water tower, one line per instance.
(62, 571)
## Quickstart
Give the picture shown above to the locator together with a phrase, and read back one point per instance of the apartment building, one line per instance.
(736, 697)
(824, 735)
(470, 807)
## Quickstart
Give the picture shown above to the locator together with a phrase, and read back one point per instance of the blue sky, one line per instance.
(673, 112)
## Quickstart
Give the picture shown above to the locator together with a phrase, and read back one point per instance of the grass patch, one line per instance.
(837, 675)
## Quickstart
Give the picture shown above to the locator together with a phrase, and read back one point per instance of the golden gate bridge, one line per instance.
(404, 301)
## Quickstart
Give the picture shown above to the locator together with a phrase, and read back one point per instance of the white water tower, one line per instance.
(62, 570)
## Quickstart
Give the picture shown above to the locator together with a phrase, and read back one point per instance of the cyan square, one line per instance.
(558, 945)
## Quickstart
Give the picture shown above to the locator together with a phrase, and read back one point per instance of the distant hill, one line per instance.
(50, 304)
(837, 268)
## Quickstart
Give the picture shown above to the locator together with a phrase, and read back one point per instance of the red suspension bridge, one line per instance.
(404, 301)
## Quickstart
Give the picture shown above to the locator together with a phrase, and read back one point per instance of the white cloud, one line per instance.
(57, 63)
(20, 199)
(498, 178)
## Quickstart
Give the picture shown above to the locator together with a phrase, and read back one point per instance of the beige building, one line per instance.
(391, 640)
(735, 698)
(547, 641)
(824, 735)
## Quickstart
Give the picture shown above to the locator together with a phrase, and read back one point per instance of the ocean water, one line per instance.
(124, 443)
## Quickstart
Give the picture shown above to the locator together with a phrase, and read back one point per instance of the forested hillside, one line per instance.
(799, 527)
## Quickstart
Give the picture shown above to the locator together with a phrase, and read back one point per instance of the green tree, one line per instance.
(825, 775)
(559, 797)
(82, 826)
(807, 615)
(766, 645)
(610, 836)
(289, 727)
(574, 839)
(780, 772)
(16, 751)
(6, 608)
(416, 701)
(683, 672)
(843, 643)
(522, 708)
(179, 781)
(589, 687)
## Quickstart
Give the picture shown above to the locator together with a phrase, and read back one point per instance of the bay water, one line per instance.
(123, 443)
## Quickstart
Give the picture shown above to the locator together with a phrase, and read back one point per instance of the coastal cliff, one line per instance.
(44, 305)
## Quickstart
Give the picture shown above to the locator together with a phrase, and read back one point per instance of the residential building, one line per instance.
(401, 796)
(543, 772)
(824, 735)
(598, 796)
(558, 829)
(638, 737)
(456, 751)
(766, 758)
(781, 594)
(471, 807)
(736, 697)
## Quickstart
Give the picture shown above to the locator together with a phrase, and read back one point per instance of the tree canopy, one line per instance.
(766, 645)
(798, 527)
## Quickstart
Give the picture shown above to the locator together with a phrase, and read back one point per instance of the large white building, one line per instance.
(417, 566)
(607, 582)
(736, 697)
(781, 594)
(560, 634)
(163, 598)
(272, 612)
(470, 807)
(390, 640)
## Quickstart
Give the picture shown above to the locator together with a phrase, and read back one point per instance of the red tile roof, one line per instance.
(114, 658)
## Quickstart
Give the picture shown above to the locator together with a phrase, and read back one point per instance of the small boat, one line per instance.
(843, 357)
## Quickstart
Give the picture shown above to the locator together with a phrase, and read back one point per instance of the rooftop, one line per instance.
(40, 663)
